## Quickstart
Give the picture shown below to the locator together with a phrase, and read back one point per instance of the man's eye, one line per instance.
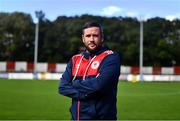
(88, 35)
(95, 35)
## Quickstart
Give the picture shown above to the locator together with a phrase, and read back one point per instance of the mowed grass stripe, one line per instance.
(149, 100)
(32, 99)
(39, 100)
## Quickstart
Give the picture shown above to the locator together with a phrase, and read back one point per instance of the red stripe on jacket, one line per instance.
(94, 67)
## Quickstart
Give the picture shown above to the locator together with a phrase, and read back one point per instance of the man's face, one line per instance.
(92, 38)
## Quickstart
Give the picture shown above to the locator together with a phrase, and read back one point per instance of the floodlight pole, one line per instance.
(141, 51)
(39, 14)
(36, 46)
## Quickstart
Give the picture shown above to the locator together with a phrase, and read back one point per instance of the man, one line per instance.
(91, 78)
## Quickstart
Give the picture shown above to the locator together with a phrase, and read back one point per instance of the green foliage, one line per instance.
(61, 38)
(16, 36)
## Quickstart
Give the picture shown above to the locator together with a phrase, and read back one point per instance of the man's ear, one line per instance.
(82, 38)
(102, 40)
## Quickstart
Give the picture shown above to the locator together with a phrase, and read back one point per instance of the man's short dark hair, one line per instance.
(93, 24)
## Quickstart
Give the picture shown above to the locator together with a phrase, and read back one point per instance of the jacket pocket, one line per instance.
(87, 109)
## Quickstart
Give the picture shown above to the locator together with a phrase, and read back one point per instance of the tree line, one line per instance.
(61, 38)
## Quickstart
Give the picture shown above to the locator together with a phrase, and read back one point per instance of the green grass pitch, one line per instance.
(39, 100)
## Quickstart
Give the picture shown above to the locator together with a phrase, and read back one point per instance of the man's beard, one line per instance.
(94, 49)
(89, 49)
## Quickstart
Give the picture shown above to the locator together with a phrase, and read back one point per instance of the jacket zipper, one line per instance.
(84, 77)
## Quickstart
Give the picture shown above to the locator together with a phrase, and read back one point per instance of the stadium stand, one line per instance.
(60, 67)
(53, 71)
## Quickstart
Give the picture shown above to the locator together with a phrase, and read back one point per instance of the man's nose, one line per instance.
(91, 38)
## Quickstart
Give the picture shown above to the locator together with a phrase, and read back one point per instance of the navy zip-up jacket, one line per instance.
(93, 96)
